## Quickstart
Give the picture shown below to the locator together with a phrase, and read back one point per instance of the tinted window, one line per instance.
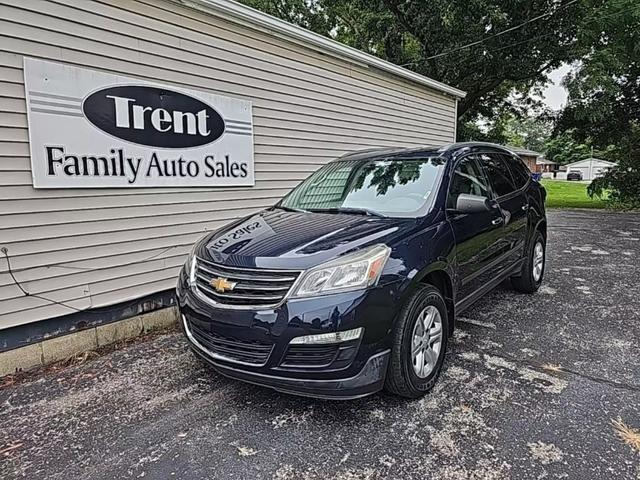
(468, 177)
(519, 170)
(498, 174)
(394, 187)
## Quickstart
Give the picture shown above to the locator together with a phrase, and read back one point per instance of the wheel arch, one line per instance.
(541, 227)
(441, 279)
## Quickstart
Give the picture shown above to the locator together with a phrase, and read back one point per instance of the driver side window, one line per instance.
(468, 177)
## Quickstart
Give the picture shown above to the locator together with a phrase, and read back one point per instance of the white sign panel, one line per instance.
(91, 129)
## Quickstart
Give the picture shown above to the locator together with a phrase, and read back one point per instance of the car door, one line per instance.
(478, 236)
(522, 178)
(512, 203)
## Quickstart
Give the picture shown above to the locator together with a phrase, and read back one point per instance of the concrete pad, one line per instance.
(160, 319)
(61, 348)
(22, 358)
(119, 331)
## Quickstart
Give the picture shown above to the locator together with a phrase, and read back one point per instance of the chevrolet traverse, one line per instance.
(352, 282)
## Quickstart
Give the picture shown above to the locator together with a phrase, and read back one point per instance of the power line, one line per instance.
(550, 34)
(511, 29)
(511, 44)
(478, 42)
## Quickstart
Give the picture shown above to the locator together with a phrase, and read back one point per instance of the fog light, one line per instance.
(322, 338)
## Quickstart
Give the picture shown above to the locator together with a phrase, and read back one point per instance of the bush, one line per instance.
(621, 183)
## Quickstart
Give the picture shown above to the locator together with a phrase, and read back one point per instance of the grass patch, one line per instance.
(563, 194)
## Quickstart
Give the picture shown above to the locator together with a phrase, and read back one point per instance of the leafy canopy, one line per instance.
(604, 98)
(427, 35)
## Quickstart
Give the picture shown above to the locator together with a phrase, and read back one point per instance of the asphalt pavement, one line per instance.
(534, 386)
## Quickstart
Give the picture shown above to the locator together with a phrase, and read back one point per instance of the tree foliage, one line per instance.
(427, 35)
(499, 52)
(604, 98)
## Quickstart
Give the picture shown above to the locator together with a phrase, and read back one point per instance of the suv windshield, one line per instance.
(393, 187)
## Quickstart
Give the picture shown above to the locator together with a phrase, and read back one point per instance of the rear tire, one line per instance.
(422, 326)
(532, 272)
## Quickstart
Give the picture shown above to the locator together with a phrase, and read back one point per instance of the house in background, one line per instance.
(590, 167)
(528, 156)
(545, 166)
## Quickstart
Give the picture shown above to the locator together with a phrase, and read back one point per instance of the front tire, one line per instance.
(419, 344)
(532, 272)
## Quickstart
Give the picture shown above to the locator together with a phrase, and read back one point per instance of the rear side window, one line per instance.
(498, 173)
(519, 170)
(468, 177)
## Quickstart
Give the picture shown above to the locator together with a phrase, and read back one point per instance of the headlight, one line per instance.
(190, 266)
(350, 272)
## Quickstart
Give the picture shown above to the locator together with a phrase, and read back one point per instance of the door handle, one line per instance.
(497, 221)
(525, 207)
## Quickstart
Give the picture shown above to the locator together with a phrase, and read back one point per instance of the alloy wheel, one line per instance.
(426, 341)
(538, 261)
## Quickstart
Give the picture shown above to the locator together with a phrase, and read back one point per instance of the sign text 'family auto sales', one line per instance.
(93, 129)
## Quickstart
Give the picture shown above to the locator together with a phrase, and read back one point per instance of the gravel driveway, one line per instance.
(534, 386)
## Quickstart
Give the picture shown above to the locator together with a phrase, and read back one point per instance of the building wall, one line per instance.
(590, 169)
(530, 161)
(92, 248)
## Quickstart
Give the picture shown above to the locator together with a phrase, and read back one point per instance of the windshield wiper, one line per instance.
(351, 210)
(290, 209)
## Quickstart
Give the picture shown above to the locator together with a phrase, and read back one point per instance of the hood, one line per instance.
(290, 240)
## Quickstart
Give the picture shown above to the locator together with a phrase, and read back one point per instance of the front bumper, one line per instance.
(358, 368)
(369, 380)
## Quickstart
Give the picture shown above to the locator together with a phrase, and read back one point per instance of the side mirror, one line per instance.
(467, 203)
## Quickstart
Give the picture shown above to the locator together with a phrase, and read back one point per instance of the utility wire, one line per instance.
(614, 14)
(508, 30)
(511, 45)
(26, 293)
(96, 269)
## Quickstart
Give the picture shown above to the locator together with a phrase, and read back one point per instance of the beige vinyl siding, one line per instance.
(97, 247)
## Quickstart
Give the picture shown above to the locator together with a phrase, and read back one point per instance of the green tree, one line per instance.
(488, 48)
(563, 148)
(515, 128)
(307, 14)
(604, 98)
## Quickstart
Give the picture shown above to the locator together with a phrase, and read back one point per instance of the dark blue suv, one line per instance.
(352, 282)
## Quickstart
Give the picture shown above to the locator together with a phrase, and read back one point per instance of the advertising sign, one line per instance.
(91, 129)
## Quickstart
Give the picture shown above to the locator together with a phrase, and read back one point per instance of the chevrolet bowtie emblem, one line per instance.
(222, 284)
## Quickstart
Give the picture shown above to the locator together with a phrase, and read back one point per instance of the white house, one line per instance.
(590, 167)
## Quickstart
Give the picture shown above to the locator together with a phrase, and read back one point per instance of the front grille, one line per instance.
(252, 353)
(253, 286)
(310, 355)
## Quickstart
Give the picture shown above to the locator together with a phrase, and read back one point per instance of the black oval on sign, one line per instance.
(152, 116)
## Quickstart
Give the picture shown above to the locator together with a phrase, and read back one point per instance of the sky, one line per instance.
(555, 95)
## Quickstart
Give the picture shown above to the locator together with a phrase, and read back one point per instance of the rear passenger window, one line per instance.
(521, 174)
(498, 173)
(468, 177)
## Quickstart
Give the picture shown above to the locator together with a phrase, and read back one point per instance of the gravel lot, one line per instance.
(530, 389)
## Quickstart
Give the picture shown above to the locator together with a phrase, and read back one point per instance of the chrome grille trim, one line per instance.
(239, 296)
(254, 287)
(240, 276)
(251, 286)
